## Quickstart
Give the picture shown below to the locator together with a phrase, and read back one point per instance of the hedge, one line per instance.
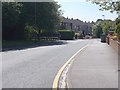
(67, 34)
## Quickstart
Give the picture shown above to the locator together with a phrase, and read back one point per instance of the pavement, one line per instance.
(95, 67)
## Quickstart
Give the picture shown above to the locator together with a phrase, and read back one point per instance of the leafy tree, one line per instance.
(118, 27)
(41, 15)
(97, 31)
(10, 18)
(108, 5)
(37, 15)
(103, 26)
(97, 28)
(47, 16)
(30, 32)
(112, 6)
(108, 25)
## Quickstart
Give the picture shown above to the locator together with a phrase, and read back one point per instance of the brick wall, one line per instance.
(116, 45)
(119, 49)
(113, 44)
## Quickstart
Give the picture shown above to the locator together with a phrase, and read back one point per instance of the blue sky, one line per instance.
(85, 11)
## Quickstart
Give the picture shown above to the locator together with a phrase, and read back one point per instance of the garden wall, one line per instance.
(114, 44)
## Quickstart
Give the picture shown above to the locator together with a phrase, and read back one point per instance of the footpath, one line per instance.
(95, 67)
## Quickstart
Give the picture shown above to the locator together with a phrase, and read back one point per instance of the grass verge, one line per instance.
(20, 44)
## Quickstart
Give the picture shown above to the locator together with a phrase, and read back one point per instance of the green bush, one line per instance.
(118, 28)
(30, 32)
(67, 34)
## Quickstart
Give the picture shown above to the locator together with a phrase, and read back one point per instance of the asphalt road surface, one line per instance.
(36, 67)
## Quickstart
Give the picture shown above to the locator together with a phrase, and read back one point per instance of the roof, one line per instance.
(75, 21)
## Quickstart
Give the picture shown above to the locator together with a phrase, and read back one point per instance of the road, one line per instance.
(36, 67)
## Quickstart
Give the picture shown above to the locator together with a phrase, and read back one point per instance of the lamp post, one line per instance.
(103, 17)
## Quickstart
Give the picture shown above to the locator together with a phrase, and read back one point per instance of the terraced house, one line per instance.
(85, 28)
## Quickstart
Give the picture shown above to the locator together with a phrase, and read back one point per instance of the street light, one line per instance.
(103, 17)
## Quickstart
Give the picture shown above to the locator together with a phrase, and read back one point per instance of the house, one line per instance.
(77, 25)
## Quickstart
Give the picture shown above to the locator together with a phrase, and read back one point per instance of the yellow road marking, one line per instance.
(56, 80)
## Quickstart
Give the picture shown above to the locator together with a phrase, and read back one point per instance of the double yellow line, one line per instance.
(57, 77)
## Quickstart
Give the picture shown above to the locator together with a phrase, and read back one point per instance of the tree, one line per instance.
(103, 26)
(30, 32)
(108, 25)
(10, 19)
(112, 6)
(41, 15)
(118, 28)
(97, 31)
(38, 15)
(108, 5)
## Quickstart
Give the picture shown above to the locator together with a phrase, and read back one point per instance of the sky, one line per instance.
(85, 11)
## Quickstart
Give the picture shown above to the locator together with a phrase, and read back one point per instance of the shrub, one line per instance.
(67, 34)
(30, 32)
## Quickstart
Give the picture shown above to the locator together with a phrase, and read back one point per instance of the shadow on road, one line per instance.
(35, 44)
